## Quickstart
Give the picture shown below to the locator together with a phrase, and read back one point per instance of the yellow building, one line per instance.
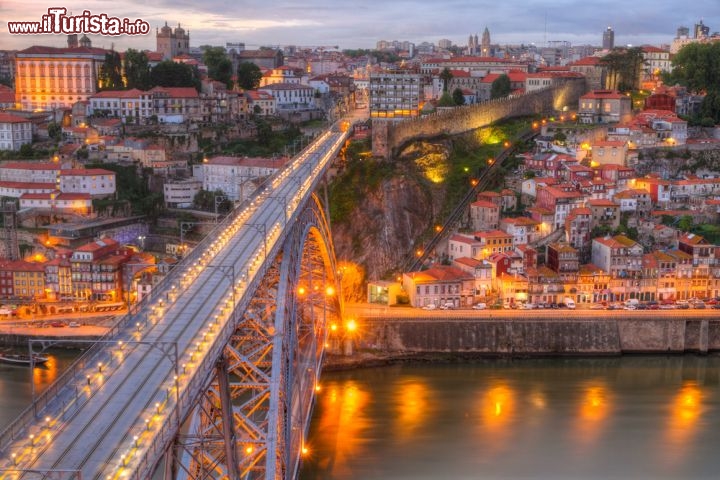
(28, 279)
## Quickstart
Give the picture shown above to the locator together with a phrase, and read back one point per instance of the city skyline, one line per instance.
(321, 23)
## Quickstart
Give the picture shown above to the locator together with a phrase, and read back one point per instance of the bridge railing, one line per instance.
(123, 324)
(62, 385)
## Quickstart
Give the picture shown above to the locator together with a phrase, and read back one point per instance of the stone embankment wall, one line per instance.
(388, 137)
(508, 336)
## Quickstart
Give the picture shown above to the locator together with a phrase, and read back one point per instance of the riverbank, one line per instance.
(382, 341)
(14, 336)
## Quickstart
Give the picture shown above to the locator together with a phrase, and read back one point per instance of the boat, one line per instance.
(20, 359)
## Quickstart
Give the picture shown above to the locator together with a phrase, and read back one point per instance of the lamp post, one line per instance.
(262, 230)
(218, 200)
(284, 204)
(229, 272)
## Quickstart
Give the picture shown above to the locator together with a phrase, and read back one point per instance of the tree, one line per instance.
(697, 66)
(110, 76)
(458, 97)
(685, 223)
(248, 76)
(137, 70)
(624, 67)
(446, 75)
(446, 100)
(219, 65)
(710, 108)
(171, 74)
(500, 87)
(54, 131)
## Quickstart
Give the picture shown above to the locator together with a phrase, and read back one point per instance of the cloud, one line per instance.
(363, 24)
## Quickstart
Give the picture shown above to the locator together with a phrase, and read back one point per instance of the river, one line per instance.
(631, 417)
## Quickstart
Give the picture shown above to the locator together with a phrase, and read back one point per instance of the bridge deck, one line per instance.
(107, 420)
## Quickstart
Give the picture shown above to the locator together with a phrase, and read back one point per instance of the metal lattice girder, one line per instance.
(269, 370)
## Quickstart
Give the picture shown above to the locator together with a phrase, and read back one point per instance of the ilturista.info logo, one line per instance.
(58, 21)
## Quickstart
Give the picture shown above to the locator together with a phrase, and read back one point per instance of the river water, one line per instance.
(628, 417)
(632, 417)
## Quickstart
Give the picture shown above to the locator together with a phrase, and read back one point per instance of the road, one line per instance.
(378, 311)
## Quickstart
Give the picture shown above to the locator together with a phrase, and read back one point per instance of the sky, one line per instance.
(361, 24)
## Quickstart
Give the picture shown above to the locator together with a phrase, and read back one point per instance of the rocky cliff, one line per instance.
(390, 211)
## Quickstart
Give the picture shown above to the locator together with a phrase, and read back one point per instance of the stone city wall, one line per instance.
(388, 137)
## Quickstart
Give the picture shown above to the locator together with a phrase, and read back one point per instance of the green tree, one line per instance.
(54, 131)
(446, 75)
(110, 76)
(446, 100)
(171, 74)
(697, 66)
(685, 223)
(458, 97)
(219, 65)
(710, 108)
(624, 67)
(137, 70)
(248, 76)
(500, 87)
(559, 138)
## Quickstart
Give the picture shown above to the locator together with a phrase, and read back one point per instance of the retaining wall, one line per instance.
(520, 336)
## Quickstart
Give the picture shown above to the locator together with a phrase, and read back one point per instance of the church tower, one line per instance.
(485, 45)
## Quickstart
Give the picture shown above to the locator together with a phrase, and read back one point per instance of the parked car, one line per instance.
(430, 306)
(447, 306)
(73, 324)
(479, 306)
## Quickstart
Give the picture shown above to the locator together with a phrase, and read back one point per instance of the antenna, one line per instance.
(545, 44)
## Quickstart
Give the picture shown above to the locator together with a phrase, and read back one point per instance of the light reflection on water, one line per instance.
(15, 386)
(629, 417)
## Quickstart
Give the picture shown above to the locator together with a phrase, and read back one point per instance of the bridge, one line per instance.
(213, 375)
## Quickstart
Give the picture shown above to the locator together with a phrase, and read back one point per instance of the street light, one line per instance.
(262, 230)
(218, 200)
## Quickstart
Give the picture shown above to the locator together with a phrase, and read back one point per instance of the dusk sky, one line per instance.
(361, 24)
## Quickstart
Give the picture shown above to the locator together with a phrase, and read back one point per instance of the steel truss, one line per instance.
(252, 419)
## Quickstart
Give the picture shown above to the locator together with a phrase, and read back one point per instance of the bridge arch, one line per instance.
(252, 418)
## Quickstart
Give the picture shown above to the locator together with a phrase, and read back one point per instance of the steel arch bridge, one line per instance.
(212, 376)
(251, 420)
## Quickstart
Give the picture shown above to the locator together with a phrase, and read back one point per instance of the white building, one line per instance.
(31, 172)
(96, 182)
(235, 175)
(17, 189)
(168, 104)
(619, 256)
(124, 104)
(523, 229)
(58, 202)
(290, 95)
(180, 194)
(15, 131)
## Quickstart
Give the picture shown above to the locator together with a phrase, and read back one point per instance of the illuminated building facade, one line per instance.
(47, 78)
(394, 95)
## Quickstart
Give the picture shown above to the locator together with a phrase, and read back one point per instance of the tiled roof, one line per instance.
(9, 118)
